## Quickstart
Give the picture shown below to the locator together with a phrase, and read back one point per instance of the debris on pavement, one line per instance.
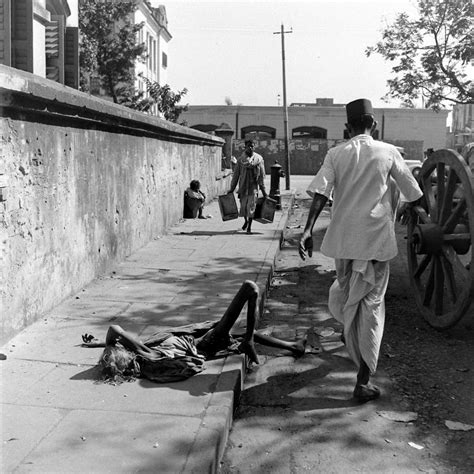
(416, 446)
(324, 332)
(402, 416)
(458, 426)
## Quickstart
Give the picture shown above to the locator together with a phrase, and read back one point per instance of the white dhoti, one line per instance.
(356, 299)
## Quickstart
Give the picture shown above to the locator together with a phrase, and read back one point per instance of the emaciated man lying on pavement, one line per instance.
(181, 352)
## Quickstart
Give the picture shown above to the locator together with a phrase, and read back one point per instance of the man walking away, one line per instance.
(249, 172)
(361, 235)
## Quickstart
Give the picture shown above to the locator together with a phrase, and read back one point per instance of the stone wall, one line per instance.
(84, 183)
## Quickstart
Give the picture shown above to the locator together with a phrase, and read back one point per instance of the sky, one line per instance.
(228, 48)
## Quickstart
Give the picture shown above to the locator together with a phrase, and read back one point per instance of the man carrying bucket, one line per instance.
(249, 173)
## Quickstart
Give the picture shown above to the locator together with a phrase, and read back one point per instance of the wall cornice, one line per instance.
(37, 99)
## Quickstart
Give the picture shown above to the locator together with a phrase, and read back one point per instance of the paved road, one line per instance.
(56, 418)
(298, 415)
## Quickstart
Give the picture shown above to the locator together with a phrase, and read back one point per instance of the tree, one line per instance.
(109, 50)
(433, 54)
(163, 97)
(108, 47)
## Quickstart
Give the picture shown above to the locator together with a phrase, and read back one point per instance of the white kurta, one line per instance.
(360, 173)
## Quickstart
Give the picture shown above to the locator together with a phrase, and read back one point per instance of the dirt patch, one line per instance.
(297, 415)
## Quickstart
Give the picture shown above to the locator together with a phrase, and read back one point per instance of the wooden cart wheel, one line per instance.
(440, 231)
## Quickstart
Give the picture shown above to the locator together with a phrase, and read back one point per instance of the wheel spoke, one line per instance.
(438, 286)
(447, 203)
(428, 191)
(451, 282)
(429, 286)
(422, 266)
(458, 267)
(457, 237)
(456, 214)
(421, 213)
(439, 191)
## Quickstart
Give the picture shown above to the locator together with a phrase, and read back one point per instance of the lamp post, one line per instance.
(285, 108)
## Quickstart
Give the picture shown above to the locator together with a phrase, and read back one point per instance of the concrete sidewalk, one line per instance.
(55, 418)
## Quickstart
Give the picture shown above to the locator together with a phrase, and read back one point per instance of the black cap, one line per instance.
(357, 108)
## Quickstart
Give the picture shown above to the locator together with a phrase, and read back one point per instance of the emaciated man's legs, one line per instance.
(217, 338)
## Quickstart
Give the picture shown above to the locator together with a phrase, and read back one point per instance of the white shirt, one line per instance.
(359, 172)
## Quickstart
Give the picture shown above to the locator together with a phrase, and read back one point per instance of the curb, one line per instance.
(217, 419)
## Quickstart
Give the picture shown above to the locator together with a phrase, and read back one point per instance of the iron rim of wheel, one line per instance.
(439, 240)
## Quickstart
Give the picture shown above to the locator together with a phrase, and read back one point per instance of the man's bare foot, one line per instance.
(299, 347)
(366, 392)
(202, 217)
(248, 349)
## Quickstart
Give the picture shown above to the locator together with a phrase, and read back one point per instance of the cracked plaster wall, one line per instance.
(78, 200)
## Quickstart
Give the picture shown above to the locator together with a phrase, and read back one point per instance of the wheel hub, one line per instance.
(428, 239)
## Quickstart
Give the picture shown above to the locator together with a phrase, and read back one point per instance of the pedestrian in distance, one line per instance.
(180, 353)
(249, 173)
(364, 175)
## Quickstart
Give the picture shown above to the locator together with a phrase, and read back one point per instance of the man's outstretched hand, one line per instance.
(306, 246)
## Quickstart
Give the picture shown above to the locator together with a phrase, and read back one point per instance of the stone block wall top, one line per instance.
(29, 93)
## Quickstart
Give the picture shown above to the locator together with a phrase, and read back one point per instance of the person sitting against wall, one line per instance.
(194, 200)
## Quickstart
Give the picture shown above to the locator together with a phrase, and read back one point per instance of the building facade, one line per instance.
(414, 129)
(156, 37)
(35, 37)
(462, 126)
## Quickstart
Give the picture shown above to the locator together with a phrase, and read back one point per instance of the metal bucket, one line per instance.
(265, 210)
(228, 207)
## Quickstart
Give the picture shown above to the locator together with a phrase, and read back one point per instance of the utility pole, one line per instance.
(285, 108)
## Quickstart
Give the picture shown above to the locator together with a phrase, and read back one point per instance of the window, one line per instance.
(94, 86)
(164, 59)
(258, 132)
(150, 53)
(309, 132)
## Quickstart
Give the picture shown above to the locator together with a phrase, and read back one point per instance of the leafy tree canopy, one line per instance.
(109, 51)
(109, 47)
(163, 97)
(432, 54)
